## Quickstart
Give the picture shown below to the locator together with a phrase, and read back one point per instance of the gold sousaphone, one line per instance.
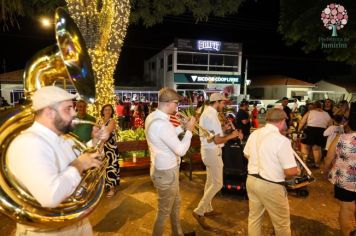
(68, 59)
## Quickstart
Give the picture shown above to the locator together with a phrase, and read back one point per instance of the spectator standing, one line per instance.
(343, 109)
(295, 105)
(138, 117)
(153, 107)
(341, 157)
(120, 112)
(112, 177)
(254, 116)
(83, 131)
(242, 121)
(270, 159)
(316, 121)
(146, 109)
(333, 130)
(127, 113)
(328, 107)
(287, 110)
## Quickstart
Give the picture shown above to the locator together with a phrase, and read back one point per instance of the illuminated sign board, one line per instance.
(204, 79)
(208, 45)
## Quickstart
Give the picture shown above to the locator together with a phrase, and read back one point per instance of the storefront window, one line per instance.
(184, 58)
(222, 68)
(231, 60)
(217, 60)
(192, 58)
(200, 59)
(191, 67)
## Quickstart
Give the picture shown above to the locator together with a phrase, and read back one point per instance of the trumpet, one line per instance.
(198, 130)
(77, 121)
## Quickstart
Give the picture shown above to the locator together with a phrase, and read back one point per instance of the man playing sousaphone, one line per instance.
(43, 161)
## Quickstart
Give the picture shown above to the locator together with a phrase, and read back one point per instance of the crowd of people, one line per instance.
(3, 102)
(56, 169)
(320, 123)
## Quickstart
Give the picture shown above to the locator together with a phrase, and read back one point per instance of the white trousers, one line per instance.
(214, 178)
(264, 195)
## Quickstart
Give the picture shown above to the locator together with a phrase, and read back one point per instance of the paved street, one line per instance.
(132, 210)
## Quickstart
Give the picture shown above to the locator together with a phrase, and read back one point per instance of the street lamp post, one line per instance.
(246, 81)
(46, 22)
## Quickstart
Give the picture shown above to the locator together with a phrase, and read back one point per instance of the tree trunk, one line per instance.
(334, 29)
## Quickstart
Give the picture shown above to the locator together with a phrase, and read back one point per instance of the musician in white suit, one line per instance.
(43, 160)
(270, 160)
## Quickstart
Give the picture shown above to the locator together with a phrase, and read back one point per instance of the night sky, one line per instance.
(255, 26)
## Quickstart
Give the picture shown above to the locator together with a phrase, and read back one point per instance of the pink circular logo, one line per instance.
(334, 17)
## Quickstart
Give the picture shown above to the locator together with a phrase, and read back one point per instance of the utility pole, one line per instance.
(245, 80)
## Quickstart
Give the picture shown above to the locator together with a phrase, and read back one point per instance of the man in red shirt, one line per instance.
(120, 112)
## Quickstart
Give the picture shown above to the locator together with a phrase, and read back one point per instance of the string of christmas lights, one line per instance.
(103, 25)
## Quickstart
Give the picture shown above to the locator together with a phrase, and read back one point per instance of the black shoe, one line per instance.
(192, 233)
(201, 221)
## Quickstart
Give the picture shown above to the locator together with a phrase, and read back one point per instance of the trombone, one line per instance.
(198, 130)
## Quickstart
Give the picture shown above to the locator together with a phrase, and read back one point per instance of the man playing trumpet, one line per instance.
(44, 162)
(211, 155)
(165, 151)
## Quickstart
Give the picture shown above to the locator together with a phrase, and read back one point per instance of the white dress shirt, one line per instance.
(209, 120)
(269, 153)
(39, 159)
(162, 138)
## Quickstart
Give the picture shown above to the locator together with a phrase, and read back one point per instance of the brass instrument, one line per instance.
(198, 130)
(224, 119)
(66, 60)
(79, 121)
(91, 177)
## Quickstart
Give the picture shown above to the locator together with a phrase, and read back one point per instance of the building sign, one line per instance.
(204, 79)
(208, 45)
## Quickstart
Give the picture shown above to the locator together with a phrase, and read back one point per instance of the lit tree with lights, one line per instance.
(103, 26)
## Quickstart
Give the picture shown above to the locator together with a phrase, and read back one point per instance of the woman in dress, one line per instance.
(342, 157)
(138, 117)
(112, 177)
(316, 121)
